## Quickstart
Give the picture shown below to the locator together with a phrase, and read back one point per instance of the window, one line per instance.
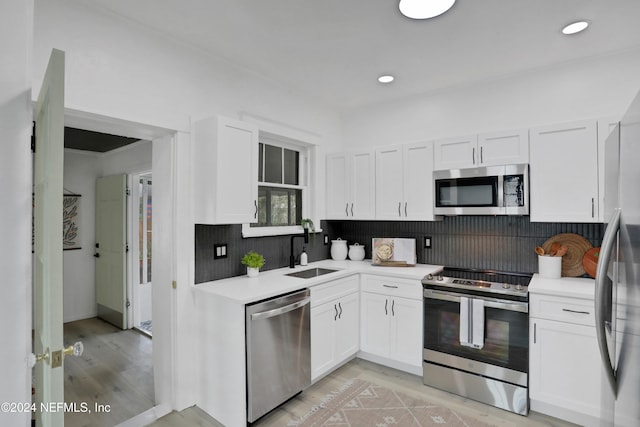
(144, 229)
(280, 189)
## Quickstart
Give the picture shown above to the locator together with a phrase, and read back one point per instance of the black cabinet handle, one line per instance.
(340, 315)
(97, 255)
(351, 209)
(255, 215)
(335, 307)
(385, 307)
(346, 208)
(393, 303)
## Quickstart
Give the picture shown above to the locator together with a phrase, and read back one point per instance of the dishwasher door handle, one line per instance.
(280, 310)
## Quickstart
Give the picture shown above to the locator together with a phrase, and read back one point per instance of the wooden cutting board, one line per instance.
(576, 248)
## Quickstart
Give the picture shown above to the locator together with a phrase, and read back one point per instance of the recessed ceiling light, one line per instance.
(424, 9)
(575, 27)
(386, 79)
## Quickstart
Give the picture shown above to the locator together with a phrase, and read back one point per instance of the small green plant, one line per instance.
(252, 259)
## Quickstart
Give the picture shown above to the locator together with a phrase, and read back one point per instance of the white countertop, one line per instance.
(575, 287)
(245, 290)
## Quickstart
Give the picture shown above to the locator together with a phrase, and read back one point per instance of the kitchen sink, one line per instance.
(311, 272)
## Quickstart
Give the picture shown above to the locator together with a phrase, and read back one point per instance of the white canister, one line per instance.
(550, 266)
(356, 252)
(339, 249)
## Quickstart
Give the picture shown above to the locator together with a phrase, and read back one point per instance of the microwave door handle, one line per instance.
(608, 243)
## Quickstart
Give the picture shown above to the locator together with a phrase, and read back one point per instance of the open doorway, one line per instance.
(142, 253)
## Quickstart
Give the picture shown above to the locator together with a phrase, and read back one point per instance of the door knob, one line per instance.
(32, 359)
(74, 350)
(97, 255)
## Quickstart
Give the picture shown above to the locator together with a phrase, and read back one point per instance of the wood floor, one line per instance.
(117, 370)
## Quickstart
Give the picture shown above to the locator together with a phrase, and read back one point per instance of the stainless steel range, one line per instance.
(476, 335)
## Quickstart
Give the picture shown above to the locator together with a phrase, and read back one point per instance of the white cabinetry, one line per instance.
(391, 322)
(564, 173)
(564, 372)
(350, 185)
(335, 317)
(403, 182)
(225, 171)
(487, 149)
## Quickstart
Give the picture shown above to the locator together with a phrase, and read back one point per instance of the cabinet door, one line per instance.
(347, 327)
(389, 183)
(362, 189)
(323, 320)
(418, 182)
(503, 148)
(406, 331)
(337, 186)
(374, 324)
(225, 167)
(565, 366)
(455, 153)
(564, 173)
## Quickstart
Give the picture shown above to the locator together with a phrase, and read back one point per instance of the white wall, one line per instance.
(81, 169)
(598, 87)
(15, 193)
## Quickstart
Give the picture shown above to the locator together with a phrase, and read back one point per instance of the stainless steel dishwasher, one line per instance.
(278, 351)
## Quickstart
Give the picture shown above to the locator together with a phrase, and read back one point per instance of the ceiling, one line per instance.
(87, 140)
(334, 50)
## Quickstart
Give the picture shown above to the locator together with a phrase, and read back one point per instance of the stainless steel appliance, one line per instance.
(491, 190)
(476, 336)
(278, 351)
(617, 287)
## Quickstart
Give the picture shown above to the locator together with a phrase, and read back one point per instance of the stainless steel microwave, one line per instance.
(491, 190)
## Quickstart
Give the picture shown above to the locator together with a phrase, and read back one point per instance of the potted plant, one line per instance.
(254, 261)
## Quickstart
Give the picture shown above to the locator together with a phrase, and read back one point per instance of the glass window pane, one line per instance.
(260, 162)
(279, 207)
(262, 208)
(291, 167)
(273, 164)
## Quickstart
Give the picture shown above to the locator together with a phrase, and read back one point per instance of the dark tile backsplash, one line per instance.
(492, 242)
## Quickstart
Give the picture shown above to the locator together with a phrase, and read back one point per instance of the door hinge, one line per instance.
(127, 248)
(33, 137)
(128, 303)
(174, 284)
(128, 192)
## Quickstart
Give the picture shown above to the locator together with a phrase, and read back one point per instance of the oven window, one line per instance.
(506, 335)
(467, 192)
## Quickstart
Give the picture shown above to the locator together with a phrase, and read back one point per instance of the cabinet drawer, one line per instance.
(329, 291)
(571, 310)
(393, 287)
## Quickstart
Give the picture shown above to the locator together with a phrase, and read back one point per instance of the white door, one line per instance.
(48, 189)
(374, 324)
(111, 249)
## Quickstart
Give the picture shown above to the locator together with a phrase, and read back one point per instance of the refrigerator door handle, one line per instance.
(608, 242)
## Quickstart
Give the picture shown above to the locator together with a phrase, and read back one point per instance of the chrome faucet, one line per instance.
(292, 258)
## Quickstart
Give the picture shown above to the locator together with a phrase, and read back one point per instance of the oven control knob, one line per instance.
(429, 276)
(440, 278)
(506, 286)
(519, 287)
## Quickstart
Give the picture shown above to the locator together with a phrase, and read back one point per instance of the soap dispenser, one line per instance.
(303, 256)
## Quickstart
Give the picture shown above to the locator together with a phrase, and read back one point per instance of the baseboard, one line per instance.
(77, 317)
(401, 366)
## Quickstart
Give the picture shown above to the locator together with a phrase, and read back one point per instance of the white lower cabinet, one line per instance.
(335, 319)
(391, 320)
(565, 376)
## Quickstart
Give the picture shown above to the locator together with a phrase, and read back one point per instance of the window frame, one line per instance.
(306, 158)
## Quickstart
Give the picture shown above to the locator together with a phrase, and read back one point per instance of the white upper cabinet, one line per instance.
(455, 153)
(564, 173)
(403, 182)
(225, 171)
(487, 149)
(350, 185)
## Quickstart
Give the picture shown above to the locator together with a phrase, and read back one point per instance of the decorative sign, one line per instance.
(71, 222)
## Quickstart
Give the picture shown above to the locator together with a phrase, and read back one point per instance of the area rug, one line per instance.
(360, 403)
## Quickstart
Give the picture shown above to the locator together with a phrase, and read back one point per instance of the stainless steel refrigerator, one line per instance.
(618, 275)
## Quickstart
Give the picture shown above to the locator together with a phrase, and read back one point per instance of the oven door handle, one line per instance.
(522, 307)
